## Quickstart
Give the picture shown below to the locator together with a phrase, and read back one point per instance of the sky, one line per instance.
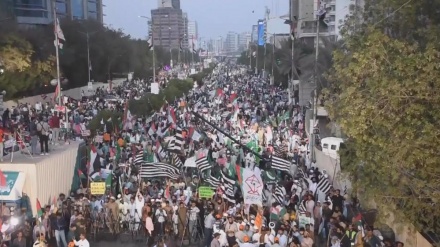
(214, 17)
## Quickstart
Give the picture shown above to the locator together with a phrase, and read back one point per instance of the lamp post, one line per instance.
(152, 44)
(89, 65)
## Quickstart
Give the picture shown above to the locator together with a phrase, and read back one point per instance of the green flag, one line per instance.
(108, 181)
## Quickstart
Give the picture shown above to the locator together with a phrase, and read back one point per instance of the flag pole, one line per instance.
(57, 54)
(57, 43)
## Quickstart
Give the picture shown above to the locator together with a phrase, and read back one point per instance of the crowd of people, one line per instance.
(227, 164)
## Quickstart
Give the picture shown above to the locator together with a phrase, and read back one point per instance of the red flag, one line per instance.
(56, 94)
(39, 209)
(81, 174)
(3, 182)
(232, 97)
(172, 115)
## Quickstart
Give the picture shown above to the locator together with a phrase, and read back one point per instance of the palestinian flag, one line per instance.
(81, 174)
(277, 213)
(39, 209)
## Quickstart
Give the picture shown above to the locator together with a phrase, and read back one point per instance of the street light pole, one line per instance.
(89, 65)
(152, 45)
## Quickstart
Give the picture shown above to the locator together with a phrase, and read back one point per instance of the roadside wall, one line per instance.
(74, 93)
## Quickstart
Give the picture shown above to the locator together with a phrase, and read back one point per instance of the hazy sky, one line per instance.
(214, 17)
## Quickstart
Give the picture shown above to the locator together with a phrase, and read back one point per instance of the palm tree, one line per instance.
(324, 63)
(284, 57)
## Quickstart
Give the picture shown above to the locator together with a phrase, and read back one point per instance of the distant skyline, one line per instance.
(214, 17)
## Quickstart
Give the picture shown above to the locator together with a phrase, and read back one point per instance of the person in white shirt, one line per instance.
(193, 217)
(282, 237)
(82, 242)
(161, 215)
(132, 213)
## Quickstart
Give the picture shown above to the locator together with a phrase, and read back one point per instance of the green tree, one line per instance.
(15, 53)
(384, 95)
(150, 102)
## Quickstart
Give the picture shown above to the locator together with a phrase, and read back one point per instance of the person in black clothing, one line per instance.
(337, 200)
(60, 234)
(344, 240)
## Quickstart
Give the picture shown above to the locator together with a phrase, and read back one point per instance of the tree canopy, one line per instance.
(27, 56)
(384, 94)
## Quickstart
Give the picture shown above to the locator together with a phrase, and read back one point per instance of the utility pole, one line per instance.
(250, 55)
(266, 18)
(273, 54)
(292, 77)
(315, 98)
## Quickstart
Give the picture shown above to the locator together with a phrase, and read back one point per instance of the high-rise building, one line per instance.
(40, 12)
(168, 4)
(186, 38)
(193, 35)
(168, 27)
(336, 12)
(254, 35)
(164, 4)
(243, 40)
(231, 42)
(175, 4)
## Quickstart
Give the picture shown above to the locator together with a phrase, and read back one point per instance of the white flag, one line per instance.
(252, 186)
(58, 32)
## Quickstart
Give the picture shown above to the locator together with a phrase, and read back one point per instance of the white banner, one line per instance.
(252, 186)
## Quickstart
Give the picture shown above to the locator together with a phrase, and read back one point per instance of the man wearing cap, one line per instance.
(215, 242)
(245, 242)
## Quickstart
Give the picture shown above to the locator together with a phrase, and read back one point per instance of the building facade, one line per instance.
(40, 12)
(168, 27)
(168, 4)
(231, 42)
(243, 41)
(193, 34)
(254, 34)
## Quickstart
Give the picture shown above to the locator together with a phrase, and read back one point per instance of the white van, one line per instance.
(330, 146)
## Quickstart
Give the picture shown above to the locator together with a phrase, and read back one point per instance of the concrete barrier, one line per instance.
(74, 93)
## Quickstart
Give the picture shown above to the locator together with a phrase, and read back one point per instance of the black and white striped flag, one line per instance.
(280, 194)
(302, 207)
(280, 164)
(280, 150)
(139, 158)
(176, 142)
(324, 185)
(203, 164)
(155, 170)
(213, 182)
(177, 161)
(228, 187)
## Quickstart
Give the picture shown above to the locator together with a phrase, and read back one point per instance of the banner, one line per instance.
(205, 192)
(252, 186)
(97, 188)
(261, 31)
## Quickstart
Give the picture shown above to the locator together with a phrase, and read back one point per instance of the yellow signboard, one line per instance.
(97, 188)
(205, 192)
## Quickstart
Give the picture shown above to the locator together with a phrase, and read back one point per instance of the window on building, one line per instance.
(77, 9)
(333, 147)
(61, 8)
